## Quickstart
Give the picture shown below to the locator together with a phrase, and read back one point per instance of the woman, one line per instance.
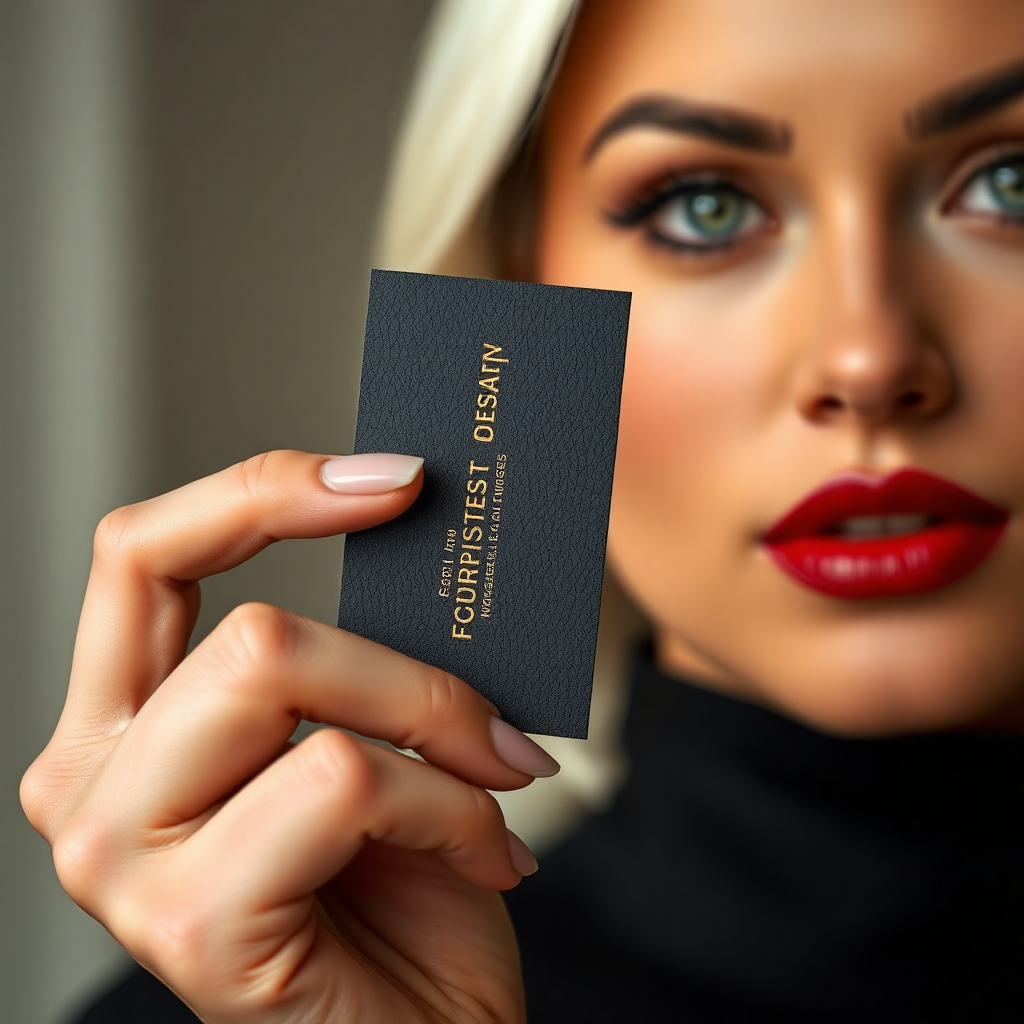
(818, 209)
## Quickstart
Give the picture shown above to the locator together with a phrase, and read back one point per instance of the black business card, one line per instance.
(510, 392)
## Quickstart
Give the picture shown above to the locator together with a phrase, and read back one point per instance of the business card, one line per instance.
(510, 393)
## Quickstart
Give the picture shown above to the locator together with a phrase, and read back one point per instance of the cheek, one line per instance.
(679, 511)
(703, 382)
(674, 413)
(673, 390)
(977, 316)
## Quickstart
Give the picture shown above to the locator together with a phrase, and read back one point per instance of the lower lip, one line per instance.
(899, 566)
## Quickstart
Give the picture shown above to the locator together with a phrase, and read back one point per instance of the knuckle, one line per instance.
(82, 856)
(485, 809)
(175, 930)
(443, 696)
(178, 936)
(48, 788)
(259, 474)
(254, 639)
(333, 760)
(185, 943)
(34, 793)
(117, 533)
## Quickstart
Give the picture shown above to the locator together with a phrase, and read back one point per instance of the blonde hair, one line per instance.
(484, 68)
(477, 93)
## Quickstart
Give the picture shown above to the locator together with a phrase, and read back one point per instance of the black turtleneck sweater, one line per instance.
(754, 871)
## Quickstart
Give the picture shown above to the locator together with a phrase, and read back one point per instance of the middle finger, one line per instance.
(230, 707)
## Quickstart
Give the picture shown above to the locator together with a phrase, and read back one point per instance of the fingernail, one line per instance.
(520, 752)
(519, 853)
(376, 473)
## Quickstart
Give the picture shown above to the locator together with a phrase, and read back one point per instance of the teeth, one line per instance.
(907, 524)
(858, 527)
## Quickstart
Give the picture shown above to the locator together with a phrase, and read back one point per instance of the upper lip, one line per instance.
(906, 492)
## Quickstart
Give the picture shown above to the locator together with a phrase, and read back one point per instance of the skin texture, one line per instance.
(329, 881)
(867, 318)
(859, 324)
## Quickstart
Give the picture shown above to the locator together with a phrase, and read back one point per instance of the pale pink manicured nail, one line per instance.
(522, 858)
(376, 473)
(520, 752)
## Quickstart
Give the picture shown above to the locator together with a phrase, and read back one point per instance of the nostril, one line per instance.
(911, 400)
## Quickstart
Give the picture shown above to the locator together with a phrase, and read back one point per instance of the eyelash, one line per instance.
(975, 182)
(642, 209)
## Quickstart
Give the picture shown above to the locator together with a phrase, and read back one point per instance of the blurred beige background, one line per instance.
(187, 190)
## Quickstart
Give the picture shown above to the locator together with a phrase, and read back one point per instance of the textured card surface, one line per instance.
(510, 392)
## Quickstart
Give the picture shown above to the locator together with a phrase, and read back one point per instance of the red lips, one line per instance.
(809, 544)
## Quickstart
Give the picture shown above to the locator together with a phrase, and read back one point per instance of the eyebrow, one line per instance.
(965, 102)
(674, 114)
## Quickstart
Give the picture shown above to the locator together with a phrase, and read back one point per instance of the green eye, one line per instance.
(694, 216)
(715, 213)
(996, 189)
(1007, 184)
(705, 217)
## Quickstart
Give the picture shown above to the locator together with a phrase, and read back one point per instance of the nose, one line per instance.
(870, 358)
(873, 370)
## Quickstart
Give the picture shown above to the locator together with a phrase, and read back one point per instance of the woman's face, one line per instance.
(820, 213)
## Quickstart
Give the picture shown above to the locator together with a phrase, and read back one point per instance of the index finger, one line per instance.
(142, 597)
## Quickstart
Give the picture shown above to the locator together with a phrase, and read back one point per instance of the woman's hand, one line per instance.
(328, 881)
